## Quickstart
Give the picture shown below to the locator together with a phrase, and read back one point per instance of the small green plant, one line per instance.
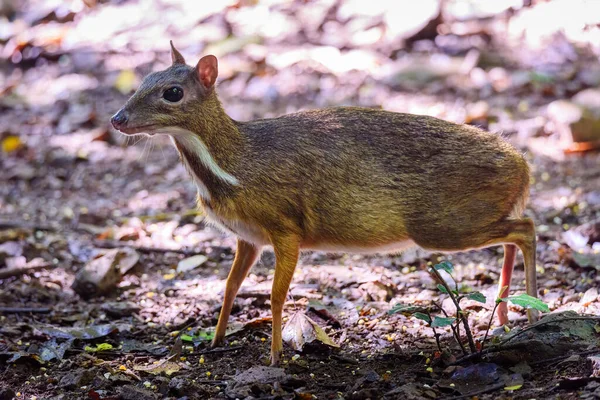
(460, 319)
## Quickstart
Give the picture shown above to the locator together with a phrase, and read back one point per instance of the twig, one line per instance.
(435, 334)
(437, 339)
(24, 310)
(115, 244)
(9, 273)
(488, 327)
(459, 312)
(455, 332)
(221, 350)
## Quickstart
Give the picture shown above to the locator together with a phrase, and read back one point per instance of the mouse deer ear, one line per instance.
(176, 56)
(207, 70)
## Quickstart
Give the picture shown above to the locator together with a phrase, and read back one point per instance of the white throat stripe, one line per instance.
(195, 145)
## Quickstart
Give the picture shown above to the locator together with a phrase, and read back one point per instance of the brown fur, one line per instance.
(348, 177)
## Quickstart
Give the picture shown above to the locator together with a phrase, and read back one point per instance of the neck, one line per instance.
(210, 147)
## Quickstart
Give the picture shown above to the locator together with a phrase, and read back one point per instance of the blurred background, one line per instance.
(70, 185)
(526, 68)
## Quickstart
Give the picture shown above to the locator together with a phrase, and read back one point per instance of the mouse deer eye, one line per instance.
(173, 94)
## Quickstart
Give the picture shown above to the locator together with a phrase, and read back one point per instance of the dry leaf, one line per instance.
(188, 264)
(11, 143)
(167, 366)
(101, 275)
(126, 81)
(300, 330)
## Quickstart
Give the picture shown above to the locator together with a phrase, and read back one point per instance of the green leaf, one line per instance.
(201, 336)
(513, 387)
(101, 347)
(527, 301)
(404, 309)
(442, 288)
(442, 321)
(444, 265)
(423, 317)
(476, 296)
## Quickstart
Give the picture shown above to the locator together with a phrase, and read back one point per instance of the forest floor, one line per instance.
(74, 194)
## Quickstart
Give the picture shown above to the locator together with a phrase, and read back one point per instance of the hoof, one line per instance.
(502, 312)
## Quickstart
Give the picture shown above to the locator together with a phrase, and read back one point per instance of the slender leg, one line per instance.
(245, 257)
(286, 257)
(510, 254)
(528, 247)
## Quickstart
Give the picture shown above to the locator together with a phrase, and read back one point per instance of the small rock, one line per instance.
(590, 75)
(410, 391)
(364, 394)
(119, 309)
(589, 297)
(368, 378)
(589, 232)
(570, 298)
(589, 99)
(595, 360)
(129, 392)
(377, 291)
(179, 386)
(73, 380)
(578, 120)
(7, 394)
(255, 381)
(477, 112)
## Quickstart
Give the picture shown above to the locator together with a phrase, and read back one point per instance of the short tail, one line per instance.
(523, 197)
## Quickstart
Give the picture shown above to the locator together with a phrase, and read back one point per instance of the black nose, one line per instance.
(119, 120)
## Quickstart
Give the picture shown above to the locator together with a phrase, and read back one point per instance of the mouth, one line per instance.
(134, 130)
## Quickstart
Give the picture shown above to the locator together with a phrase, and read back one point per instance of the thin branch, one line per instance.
(488, 327)
(459, 314)
(455, 332)
(221, 350)
(435, 334)
(24, 310)
(116, 244)
(10, 272)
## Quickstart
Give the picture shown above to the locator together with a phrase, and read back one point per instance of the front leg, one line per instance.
(245, 257)
(287, 249)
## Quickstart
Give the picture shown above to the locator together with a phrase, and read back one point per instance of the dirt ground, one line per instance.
(72, 190)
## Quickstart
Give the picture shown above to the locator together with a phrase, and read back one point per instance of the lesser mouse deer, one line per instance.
(342, 179)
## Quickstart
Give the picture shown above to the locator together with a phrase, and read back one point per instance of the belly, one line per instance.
(248, 232)
(392, 247)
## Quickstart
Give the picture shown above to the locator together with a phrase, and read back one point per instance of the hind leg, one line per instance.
(528, 247)
(518, 232)
(510, 254)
